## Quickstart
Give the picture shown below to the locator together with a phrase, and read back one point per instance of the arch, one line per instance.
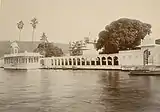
(26, 60)
(74, 61)
(37, 59)
(109, 59)
(78, 61)
(116, 62)
(83, 61)
(98, 61)
(62, 61)
(12, 61)
(146, 54)
(52, 62)
(34, 59)
(66, 62)
(103, 60)
(87, 62)
(29, 60)
(58, 61)
(55, 62)
(70, 61)
(92, 61)
(42, 62)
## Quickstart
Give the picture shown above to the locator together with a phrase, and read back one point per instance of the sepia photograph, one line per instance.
(79, 56)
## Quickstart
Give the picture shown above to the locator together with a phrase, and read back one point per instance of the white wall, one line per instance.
(155, 54)
(131, 57)
(125, 58)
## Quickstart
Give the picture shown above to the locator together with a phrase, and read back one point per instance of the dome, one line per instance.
(148, 40)
(14, 45)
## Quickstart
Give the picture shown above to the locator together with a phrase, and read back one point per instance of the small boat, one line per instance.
(144, 73)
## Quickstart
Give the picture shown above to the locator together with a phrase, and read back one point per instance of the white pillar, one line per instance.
(67, 61)
(100, 61)
(80, 61)
(76, 61)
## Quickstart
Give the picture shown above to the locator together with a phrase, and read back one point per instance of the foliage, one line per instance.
(48, 50)
(44, 38)
(20, 25)
(76, 48)
(34, 23)
(122, 34)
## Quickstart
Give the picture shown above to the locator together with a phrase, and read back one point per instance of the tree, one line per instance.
(122, 34)
(34, 23)
(52, 50)
(76, 48)
(20, 25)
(48, 49)
(44, 38)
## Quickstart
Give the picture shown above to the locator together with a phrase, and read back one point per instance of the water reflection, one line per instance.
(45, 92)
(126, 96)
(77, 91)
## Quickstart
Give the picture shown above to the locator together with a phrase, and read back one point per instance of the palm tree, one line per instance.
(20, 25)
(34, 23)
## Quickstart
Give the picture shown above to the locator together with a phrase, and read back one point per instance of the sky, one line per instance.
(70, 20)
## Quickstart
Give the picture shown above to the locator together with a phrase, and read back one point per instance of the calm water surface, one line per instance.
(77, 91)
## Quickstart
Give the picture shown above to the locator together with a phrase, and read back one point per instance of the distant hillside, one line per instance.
(27, 46)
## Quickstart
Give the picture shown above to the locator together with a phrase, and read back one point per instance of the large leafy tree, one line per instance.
(48, 49)
(122, 34)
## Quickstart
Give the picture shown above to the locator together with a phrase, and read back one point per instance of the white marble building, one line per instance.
(25, 60)
(147, 55)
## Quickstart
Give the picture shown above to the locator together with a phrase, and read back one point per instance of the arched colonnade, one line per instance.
(83, 61)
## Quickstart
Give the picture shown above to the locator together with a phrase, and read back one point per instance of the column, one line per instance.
(100, 61)
(80, 61)
(76, 61)
(68, 61)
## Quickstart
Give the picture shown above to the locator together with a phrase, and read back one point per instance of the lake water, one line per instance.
(77, 91)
